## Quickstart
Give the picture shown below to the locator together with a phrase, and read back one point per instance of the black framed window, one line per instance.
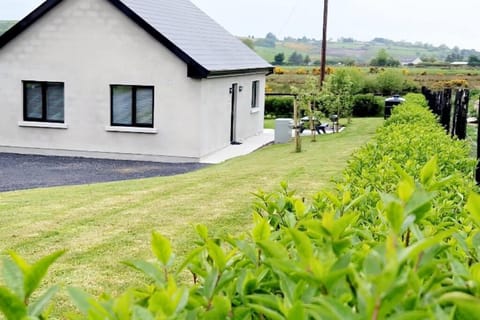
(132, 106)
(43, 101)
(255, 89)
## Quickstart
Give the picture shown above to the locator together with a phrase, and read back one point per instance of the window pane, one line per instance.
(255, 94)
(122, 105)
(145, 106)
(55, 102)
(33, 101)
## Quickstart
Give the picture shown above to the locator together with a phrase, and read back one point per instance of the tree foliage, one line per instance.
(474, 61)
(295, 59)
(383, 59)
(279, 59)
(390, 82)
(455, 55)
(306, 96)
(269, 41)
(307, 60)
(337, 93)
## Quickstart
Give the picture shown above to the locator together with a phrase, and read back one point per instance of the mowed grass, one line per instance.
(101, 225)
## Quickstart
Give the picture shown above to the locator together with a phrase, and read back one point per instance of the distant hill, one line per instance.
(5, 25)
(344, 50)
(360, 52)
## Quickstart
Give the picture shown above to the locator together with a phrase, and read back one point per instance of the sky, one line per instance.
(453, 23)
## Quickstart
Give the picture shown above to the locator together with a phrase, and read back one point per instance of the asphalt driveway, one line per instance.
(30, 171)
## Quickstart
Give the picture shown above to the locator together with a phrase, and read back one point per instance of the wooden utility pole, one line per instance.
(324, 41)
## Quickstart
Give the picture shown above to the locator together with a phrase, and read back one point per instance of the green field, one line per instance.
(360, 51)
(5, 25)
(430, 77)
(101, 225)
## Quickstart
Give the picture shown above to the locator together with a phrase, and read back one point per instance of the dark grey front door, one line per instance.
(233, 119)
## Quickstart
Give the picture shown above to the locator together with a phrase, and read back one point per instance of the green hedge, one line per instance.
(410, 138)
(282, 107)
(395, 239)
(367, 105)
(279, 107)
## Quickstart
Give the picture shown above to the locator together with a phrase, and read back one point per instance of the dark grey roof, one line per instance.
(206, 47)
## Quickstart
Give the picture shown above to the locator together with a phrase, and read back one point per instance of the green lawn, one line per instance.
(269, 123)
(101, 225)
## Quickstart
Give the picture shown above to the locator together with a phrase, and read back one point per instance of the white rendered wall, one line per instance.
(216, 110)
(89, 45)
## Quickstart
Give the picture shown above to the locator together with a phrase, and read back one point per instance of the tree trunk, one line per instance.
(298, 141)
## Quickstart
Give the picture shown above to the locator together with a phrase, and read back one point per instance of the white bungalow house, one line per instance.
(126, 79)
(412, 62)
(459, 63)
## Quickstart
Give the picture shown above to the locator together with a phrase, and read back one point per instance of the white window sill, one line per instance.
(48, 125)
(131, 129)
(255, 110)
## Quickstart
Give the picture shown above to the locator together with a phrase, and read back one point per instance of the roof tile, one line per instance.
(196, 34)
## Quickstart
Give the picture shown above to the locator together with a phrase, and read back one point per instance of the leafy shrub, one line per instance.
(21, 281)
(278, 70)
(316, 71)
(389, 82)
(366, 105)
(415, 100)
(454, 83)
(410, 138)
(301, 71)
(410, 86)
(369, 84)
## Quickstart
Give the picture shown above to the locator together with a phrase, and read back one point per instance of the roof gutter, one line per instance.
(224, 73)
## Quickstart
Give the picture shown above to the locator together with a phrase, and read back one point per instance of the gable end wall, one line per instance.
(90, 45)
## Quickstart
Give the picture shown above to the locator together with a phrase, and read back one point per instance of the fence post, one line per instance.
(446, 109)
(438, 103)
(455, 112)
(461, 130)
(430, 97)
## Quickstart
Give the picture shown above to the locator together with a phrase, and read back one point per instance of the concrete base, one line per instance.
(248, 145)
(97, 155)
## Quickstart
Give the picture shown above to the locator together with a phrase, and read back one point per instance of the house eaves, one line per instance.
(197, 40)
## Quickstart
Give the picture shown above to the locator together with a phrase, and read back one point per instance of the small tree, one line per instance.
(295, 59)
(269, 41)
(307, 60)
(337, 94)
(473, 61)
(306, 97)
(382, 59)
(279, 59)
